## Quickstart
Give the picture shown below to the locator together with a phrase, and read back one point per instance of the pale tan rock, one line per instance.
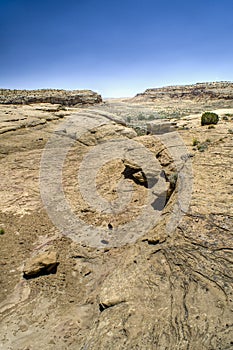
(104, 133)
(40, 263)
(128, 163)
(164, 291)
(140, 177)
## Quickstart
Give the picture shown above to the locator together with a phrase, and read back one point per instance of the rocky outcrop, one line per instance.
(40, 264)
(63, 97)
(199, 91)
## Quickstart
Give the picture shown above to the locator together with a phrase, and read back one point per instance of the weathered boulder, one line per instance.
(157, 127)
(134, 172)
(43, 263)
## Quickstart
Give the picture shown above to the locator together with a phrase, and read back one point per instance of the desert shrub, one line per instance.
(225, 117)
(140, 130)
(176, 115)
(151, 117)
(202, 146)
(173, 179)
(211, 127)
(141, 116)
(162, 116)
(2, 231)
(183, 127)
(61, 108)
(208, 118)
(195, 142)
(230, 131)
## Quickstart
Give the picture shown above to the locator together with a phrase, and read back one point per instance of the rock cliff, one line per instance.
(199, 91)
(63, 97)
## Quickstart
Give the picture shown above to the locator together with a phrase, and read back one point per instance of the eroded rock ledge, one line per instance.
(199, 91)
(63, 97)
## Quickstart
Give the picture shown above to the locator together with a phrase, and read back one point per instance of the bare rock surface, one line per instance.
(171, 288)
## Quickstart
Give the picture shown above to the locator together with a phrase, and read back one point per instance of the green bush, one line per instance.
(141, 116)
(141, 131)
(2, 231)
(151, 117)
(202, 147)
(195, 142)
(173, 179)
(209, 118)
(61, 108)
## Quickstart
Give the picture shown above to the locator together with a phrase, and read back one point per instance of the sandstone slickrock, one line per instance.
(170, 289)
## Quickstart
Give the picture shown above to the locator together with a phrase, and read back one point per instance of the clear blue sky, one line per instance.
(118, 48)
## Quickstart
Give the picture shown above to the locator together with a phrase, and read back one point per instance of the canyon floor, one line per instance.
(164, 286)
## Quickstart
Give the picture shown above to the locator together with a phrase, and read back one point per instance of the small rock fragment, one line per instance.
(41, 264)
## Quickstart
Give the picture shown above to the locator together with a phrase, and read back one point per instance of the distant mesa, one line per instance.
(200, 91)
(54, 96)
